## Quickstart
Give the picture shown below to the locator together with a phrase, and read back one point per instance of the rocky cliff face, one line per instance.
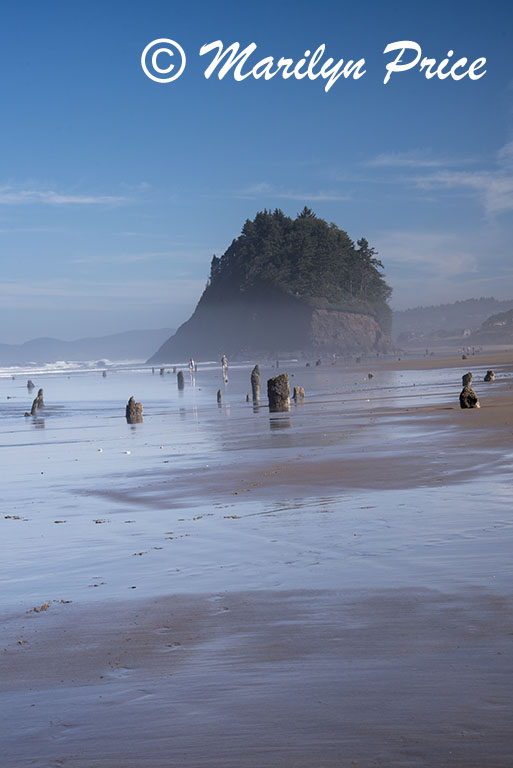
(251, 329)
(346, 332)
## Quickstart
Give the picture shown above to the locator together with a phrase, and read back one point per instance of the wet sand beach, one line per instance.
(228, 587)
(498, 357)
(329, 678)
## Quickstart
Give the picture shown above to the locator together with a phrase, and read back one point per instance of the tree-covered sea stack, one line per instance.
(288, 286)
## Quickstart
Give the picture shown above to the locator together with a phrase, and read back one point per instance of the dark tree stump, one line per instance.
(468, 398)
(278, 392)
(134, 412)
(38, 403)
(255, 383)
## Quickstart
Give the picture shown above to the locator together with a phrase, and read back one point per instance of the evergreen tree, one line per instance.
(306, 213)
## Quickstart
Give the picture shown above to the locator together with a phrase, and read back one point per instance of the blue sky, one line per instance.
(115, 191)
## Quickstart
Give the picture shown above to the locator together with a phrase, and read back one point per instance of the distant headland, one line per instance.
(129, 345)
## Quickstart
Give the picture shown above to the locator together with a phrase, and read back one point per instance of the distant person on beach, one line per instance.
(224, 367)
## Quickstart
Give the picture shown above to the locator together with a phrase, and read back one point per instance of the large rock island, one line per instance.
(288, 286)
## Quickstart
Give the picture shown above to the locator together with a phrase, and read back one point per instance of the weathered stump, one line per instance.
(466, 379)
(30, 385)
(219, 396)
(299, 394)
(255, 383)
(38, 403)
(134, 412)
(490, 376)
(180, 380)
(278, 392)
(468, 398)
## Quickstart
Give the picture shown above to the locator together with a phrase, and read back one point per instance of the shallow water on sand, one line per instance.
(82, 518)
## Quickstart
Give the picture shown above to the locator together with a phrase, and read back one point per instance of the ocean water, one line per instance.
(94, 509)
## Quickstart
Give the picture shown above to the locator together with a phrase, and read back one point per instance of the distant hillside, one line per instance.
(450, 318)
(288, 286)
(130, 345)
(497, 329)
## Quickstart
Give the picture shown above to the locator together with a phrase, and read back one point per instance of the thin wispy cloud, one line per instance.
(415, 158)
(433, 267)
(123, 258)
(181, 254)
(269, 191)
(10, 195)
(129, 233)
(505, 154)
(438, 290)
(443, 255)
(493, 187)
(67, 293)
(27, 230)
